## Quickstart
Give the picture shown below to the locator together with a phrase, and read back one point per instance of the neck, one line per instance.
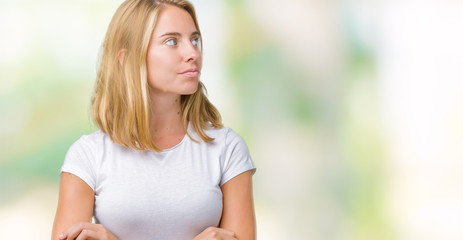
(166, 114)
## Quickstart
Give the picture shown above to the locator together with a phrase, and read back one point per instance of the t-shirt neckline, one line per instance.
(180, 143)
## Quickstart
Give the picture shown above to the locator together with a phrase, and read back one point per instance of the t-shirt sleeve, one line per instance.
(236, 158)
(79, 161)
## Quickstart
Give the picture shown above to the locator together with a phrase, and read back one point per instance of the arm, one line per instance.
(238, 207)
(238, 220)
(75, 203)
(75, 210)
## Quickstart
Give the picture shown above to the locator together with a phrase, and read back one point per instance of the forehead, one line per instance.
(174, 19)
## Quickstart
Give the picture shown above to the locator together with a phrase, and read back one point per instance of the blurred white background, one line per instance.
(352, 110)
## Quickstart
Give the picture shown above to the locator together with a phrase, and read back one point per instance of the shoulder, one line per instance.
(90, 143)
(235, 157)
(88, 150)
(227, 138)
(223, 134)
(84, 157)
(93, 139)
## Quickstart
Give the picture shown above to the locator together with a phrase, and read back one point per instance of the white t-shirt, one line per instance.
(172, 195)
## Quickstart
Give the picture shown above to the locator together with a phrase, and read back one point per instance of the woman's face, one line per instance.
(174, 57)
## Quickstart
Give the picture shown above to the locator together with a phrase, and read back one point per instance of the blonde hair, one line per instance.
(121, 103)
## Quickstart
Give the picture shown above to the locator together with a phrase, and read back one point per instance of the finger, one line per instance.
(62, 236)
(88, 234)
(226, 232)
(229, 238)
(73, 231)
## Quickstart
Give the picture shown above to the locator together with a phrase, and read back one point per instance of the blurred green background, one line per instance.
(352, 110)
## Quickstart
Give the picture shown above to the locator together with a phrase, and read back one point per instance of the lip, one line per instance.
(192, 72)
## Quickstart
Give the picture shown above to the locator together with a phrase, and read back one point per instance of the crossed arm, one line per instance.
(76, 202)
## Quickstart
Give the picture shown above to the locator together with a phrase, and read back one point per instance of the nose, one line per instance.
(192, 52)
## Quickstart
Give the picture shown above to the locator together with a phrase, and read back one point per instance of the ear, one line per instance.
(121, 56)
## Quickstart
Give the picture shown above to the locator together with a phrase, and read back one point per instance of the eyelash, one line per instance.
(172, 39)
(197, 40)
(194, 41)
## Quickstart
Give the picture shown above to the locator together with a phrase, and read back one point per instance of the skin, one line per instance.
(169, 56)
(173, 50)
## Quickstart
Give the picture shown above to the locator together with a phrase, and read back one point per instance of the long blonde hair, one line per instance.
(121, 103)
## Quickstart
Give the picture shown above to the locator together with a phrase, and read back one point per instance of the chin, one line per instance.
(190, 89)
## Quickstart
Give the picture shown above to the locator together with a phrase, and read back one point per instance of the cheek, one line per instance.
(200, 61)
(159, 67)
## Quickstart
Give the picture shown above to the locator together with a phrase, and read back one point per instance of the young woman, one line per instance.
(161, 166)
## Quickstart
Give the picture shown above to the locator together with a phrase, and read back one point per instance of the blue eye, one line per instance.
(195, 42)
(171, 42)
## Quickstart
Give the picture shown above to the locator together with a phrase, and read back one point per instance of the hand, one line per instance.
(86, 230)
(213, 233)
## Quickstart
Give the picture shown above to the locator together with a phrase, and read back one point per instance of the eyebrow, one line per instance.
(178, 34)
